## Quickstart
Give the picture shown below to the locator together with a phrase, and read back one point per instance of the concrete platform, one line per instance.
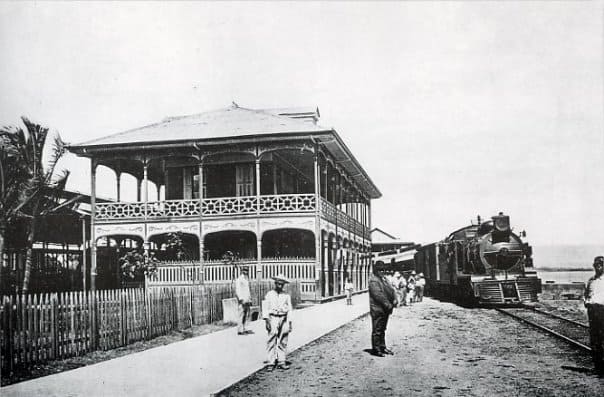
(198, 366)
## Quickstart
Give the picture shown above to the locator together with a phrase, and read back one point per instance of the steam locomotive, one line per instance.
(483, 263)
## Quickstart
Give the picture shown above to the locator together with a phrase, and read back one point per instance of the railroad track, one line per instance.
(573, 332)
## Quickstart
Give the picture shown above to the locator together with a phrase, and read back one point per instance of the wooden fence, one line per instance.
(40, 327)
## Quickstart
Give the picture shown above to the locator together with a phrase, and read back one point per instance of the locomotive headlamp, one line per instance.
(501, 222)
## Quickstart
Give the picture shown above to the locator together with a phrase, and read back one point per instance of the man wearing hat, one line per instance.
(276, 310)
(382, 300)
(594, 301)
(244, 299)
(420, 284)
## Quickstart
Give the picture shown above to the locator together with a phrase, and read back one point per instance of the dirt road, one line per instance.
(441, 350)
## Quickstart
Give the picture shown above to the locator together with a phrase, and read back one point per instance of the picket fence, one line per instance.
(36, 328)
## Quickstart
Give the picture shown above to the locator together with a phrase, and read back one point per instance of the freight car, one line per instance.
(483, 263)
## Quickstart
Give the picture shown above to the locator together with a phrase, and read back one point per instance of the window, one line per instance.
(245, 179)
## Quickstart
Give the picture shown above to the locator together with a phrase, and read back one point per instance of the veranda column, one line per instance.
(201, 243)
(318, 259)
(138, 190)
(145, 208)
(324, 265)
(118, 176)
(92, 220)
(84, 261)
(258, 234)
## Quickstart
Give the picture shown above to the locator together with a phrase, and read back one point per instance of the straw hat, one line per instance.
(421, 275)
(413, 273)
(280, 277)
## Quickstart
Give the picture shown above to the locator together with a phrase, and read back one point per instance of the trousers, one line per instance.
(595, 314)
(419, 290)
(379, 321)
(243, 314)
(276, 347)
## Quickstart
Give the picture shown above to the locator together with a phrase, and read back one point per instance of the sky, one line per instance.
(454, 109)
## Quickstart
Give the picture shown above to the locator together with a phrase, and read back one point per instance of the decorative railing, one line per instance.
(172, 208)
(287, 203)
(334, 215)
(229, 206)
(119, 211)
(190, 273)
(222, 206)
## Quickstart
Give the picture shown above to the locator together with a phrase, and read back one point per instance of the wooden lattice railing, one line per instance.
(228, 206)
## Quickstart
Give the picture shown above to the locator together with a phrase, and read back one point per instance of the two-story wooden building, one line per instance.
(272, 186)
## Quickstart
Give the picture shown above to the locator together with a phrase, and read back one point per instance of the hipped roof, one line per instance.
(235, 122)
(231, 122)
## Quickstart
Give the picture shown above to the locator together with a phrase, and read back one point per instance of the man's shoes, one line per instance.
(283, 366)
(240, 333)
(377, 353)
(387, 351)
(248, 331)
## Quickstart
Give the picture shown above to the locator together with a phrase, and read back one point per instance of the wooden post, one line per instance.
(84, 261)
(201, 245)
(54, 326)
(318, 248)
(118, 175)
(92, 221)
(258, 233)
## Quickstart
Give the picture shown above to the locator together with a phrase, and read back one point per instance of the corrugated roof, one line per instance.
(233, 121)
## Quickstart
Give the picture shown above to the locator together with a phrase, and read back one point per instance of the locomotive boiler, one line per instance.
(484, 263)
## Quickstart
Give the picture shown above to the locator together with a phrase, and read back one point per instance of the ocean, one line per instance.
(565, 263)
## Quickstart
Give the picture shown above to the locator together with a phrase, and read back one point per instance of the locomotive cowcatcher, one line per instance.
(483, 263)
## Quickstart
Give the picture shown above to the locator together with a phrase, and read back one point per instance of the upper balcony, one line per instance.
(233, 162)
(284, 204)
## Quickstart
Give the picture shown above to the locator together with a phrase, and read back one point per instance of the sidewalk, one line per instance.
(194, 367)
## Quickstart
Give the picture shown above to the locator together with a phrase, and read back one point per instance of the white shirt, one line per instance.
(420, 282)
(242, 289)
(277, 304)
(348, 285)
(595, 291)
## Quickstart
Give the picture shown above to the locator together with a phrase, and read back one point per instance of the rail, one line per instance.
(570, 333)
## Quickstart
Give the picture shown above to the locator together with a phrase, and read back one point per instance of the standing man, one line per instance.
(382, 299)
(276, 310)
(244, 299)
(594, 301)
(420, 284)
(411, 288)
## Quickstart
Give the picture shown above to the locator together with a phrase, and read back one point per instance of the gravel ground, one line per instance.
(572, 309)
(440, 350)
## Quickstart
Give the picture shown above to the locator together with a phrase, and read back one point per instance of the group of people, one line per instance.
(409, 289)
(387, 291)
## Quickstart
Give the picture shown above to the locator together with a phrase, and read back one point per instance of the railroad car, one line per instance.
(483, 263)
(400, 259)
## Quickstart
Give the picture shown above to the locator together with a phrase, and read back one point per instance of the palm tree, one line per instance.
(38, 185)
(13, 177)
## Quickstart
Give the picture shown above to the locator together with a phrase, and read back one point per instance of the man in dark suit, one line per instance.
(382, 299)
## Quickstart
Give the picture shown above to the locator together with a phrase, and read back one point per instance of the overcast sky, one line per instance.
(453, 108)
